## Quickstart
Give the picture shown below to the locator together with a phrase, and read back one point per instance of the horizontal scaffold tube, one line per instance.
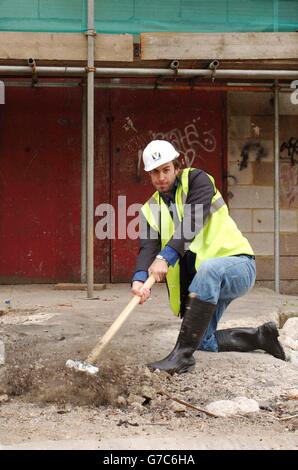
(148, 72)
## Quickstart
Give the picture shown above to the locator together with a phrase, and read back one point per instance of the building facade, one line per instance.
(223, 123)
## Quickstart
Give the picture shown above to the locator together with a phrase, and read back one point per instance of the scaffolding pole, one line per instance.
(84, 187)
(276, 190)
(90, 151)
(145, 72)
(239, 87)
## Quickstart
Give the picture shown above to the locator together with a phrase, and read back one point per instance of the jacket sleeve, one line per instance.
(140, 276)
(170, 255)
(149, 245)
(196, 211)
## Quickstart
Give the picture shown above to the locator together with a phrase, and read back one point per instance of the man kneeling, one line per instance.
(189, 239)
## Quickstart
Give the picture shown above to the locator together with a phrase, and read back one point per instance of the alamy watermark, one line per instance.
(294, 94)
(2, 92)
(128, 222)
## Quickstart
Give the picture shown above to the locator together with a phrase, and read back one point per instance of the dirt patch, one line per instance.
(50, 384)
(125, 406)
(19, 311)
(37, 380)
(118, 385)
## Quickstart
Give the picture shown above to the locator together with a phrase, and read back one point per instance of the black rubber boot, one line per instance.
(194, 324)
(248, 339)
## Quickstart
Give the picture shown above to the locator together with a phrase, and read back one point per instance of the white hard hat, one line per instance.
(157, 153)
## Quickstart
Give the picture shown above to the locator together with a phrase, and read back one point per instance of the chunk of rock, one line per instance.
(135, 399)
(292, 356)
(156, 403)
(4, 398)
(237, 406)
(177, 407)
(292, 394)
(60, 338)
(148, 392)
(289, 334)
(137, 407)
(121, 401)
(146, 373)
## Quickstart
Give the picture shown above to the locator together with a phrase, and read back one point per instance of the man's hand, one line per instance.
(138, 289)
(159, 269)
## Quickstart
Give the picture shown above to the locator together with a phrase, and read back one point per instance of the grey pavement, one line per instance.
(257, 306)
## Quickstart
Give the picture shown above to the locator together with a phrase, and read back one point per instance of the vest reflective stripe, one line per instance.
(217, 205)
(218, 237)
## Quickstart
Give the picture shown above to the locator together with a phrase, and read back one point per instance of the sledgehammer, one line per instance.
(88, 365)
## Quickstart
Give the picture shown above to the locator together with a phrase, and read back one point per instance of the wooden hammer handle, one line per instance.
(118, 323)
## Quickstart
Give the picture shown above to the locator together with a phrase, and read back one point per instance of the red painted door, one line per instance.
(40, 185)
(192, 121)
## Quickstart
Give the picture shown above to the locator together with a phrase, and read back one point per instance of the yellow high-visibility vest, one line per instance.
(218, 237)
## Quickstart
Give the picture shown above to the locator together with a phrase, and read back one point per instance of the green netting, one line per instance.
(135, 16)
(43, 15)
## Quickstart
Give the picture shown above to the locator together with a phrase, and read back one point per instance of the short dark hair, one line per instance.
(177, 163)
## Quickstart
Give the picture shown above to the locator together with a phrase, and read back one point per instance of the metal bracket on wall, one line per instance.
(31, 62)
(174, 65)
(213, 66)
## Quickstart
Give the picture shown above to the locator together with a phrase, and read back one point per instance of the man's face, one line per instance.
(163, 177)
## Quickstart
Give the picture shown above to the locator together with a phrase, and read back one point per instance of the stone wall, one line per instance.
(251, 181)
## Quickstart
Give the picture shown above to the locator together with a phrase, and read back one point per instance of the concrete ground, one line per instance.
(47, 326)
(259, 305)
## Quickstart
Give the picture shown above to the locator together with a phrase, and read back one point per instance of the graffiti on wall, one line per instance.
(289, 184)
(129, 125)
(134, 147)
(288, 152)
(288, 168)
(257, 147)
(188, 141)
(136, 142)
(289, 172)
(292, 151)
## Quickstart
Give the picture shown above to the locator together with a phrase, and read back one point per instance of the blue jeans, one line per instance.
(219, 281)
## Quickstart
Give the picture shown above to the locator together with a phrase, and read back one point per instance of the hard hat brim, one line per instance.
(157, 163)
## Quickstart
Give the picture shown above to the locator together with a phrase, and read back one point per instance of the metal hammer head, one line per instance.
(82, 366)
